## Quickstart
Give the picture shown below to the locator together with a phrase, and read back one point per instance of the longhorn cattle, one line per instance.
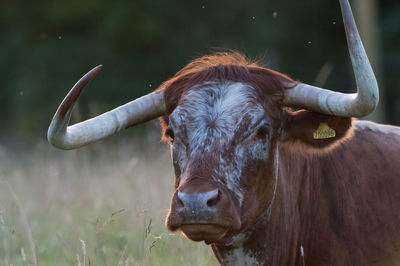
(260, 183)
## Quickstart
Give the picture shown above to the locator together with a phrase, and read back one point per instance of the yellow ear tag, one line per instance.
(324, 132)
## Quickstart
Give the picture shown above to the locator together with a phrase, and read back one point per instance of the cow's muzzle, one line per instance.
(209, 215)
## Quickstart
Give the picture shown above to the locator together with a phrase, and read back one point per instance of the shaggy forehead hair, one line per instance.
(213, 113)
(223, 67)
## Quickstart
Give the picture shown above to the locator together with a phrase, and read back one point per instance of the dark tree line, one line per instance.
(45, 46)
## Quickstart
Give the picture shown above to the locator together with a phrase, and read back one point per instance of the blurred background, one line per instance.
(52, 201)
(46, 46)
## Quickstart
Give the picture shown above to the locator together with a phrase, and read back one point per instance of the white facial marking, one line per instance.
(215, 121)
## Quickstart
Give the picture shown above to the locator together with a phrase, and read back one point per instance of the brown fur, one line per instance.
(342, 207)
(337, 198)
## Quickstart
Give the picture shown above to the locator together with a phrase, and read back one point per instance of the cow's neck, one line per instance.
(258, 246)
(254, 247)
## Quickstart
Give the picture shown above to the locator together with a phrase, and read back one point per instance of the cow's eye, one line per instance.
(169, 133)
(262, 132)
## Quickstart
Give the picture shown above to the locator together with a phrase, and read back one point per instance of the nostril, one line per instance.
(214, 199)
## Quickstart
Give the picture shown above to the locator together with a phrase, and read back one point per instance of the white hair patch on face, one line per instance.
(215, 121)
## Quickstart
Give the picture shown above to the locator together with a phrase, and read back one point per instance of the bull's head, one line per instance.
(223, 118)
(223, 136)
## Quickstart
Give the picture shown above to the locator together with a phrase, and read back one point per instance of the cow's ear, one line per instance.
(315, 129)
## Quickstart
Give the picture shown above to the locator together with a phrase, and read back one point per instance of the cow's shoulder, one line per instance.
(375, 129)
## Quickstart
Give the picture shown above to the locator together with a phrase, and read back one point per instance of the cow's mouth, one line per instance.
(209, 233)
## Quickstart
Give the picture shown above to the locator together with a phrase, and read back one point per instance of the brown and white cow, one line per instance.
(262, 184)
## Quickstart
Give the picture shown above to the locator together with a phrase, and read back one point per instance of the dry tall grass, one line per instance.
(101, 205)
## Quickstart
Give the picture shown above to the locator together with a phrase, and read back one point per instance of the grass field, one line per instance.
(101, 205)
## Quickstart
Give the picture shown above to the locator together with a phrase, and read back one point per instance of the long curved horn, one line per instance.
(334, 103)
(135, 112)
